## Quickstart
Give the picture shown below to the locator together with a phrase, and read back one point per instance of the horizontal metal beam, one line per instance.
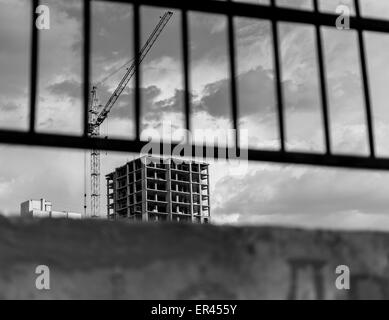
(263, 12)
(302, 158)
(230, 9)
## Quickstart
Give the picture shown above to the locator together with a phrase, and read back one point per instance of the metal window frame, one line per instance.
(231, 10)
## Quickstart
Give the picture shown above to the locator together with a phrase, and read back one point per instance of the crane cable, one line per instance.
(114, 72)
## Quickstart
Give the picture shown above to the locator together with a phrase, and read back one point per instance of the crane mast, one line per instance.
(94, 132)
(96, 118)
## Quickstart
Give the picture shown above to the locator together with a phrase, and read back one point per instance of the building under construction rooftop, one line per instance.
(156, 189)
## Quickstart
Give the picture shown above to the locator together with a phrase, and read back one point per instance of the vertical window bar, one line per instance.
(137, 71)
(323, 83)
(33, 66)
(365, 80)
(277, 68)
(185, 51)
(234, 94)
(86, 61)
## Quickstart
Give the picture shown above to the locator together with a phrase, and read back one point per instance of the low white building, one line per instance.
(44, 209)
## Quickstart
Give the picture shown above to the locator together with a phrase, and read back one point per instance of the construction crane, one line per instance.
(98, 114)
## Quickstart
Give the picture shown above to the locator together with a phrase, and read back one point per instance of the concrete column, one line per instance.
(201, 196)
(107, 179)
(133, 185)
(115, 193)
(128, 190)
(208, 194)
(191, 191)
(169, 190)
(145, 215)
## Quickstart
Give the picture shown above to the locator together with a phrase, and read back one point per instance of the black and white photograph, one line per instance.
(217, 151)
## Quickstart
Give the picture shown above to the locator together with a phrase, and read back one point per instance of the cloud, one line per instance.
(256, 94)
(57, 62)
(124, 106)
(6, 187)
(226, 218)
(208, 29)
(14, 49)
(256, 89)
(66, 89)
(298, 4)
(350, 220)
(156, 108)
(9, 107)
(13, 114)
(312, 191)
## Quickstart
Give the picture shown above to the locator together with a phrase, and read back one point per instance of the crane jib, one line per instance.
(131, 70)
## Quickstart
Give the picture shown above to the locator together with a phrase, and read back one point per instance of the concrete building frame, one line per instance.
(159, 189)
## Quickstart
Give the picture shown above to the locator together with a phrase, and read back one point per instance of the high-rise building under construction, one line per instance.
(159, 189)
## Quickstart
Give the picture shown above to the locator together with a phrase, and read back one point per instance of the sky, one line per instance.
(260, 194)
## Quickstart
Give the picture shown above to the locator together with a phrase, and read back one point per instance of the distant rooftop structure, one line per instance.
(159, 189)
(44, 209)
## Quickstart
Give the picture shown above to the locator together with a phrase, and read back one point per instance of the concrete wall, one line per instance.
(35, 214)
(25, 209)
(100, 259)
(50, 214)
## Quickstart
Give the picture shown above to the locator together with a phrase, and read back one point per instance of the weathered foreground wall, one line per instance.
(97, 259)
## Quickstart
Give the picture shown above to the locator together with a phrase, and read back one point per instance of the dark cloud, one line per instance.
(172, 104)
(256, 97)
(9, 107)
(66, 89)
(47, 123)
(256, 94)
(124, 106)
(152, 107)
